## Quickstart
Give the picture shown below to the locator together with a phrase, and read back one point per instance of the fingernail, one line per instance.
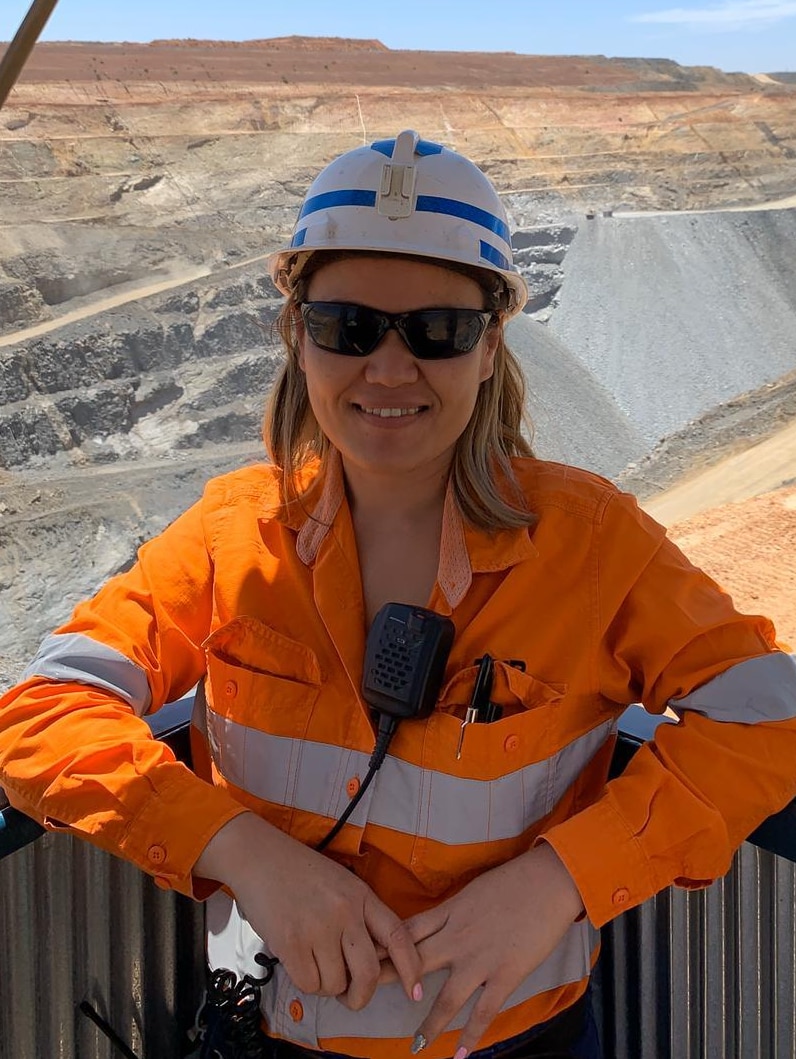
(418, 1044)
(417, 991)
(462, 1053)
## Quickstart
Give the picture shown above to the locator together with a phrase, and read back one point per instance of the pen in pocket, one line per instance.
(481, 710)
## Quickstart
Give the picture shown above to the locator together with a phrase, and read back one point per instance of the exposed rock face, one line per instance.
(161, 373)
(539, 254)
(143, 187)
(20, 304)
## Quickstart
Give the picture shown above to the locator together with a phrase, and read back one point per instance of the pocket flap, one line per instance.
(249, 643)
(512, 689)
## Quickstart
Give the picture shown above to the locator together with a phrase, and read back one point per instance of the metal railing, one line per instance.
(689, 975)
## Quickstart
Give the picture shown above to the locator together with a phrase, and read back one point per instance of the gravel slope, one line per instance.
(575, 419)
(676, 314)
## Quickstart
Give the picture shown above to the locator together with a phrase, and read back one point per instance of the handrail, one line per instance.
(777, 834)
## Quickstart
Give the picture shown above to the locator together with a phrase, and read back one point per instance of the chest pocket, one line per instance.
(261, 690)
(476, 811)
(527, 705)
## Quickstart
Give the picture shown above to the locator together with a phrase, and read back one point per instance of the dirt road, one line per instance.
(787, 203)
(749, 547)
(737, 521)
(760, 469)
(126, 293)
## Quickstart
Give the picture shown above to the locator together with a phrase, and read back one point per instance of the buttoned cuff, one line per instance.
(171, 831)
(605, 860)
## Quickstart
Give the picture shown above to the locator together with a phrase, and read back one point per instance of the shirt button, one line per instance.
(353, 786)
(156, 854)
(511, 744)
(621, 896)
(296, 1010)
(230, 689)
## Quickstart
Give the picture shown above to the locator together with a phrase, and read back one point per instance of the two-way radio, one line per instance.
(405, 657)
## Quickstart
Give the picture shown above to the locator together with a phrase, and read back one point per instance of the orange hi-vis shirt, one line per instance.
(594, 601)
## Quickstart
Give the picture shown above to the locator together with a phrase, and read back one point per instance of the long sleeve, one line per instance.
(671, 637)
(74, 749)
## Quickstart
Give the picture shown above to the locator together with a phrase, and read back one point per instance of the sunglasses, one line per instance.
(430, 334)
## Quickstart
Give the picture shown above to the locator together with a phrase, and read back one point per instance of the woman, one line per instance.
(456, 911)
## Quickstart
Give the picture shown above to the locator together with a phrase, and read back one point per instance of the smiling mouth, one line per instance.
(390, 413)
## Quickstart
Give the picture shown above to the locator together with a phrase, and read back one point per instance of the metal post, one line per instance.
(22, 45)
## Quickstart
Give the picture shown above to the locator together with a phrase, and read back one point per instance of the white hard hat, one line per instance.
(407, 196)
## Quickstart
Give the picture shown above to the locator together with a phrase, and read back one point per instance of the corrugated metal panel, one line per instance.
(702, 975)
(80, 925)
(707, 974)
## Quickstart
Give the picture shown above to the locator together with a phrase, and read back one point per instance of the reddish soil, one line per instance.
(333, 62)
(750, 549)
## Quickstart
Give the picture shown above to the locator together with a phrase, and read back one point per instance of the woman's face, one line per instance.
(388, 412)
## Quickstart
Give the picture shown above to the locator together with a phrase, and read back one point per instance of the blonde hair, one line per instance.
(482, 476)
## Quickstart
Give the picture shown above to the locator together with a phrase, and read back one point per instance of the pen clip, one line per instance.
(482, 688)
(480, 710)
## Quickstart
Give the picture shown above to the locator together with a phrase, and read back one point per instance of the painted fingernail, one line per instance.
(417, 991)
(462, 1053)
(418, 1044)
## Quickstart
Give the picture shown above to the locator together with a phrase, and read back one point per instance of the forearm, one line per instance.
(563, 888)
(239, 849)
(79, 760)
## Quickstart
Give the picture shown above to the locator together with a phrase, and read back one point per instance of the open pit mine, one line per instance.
(143, 186)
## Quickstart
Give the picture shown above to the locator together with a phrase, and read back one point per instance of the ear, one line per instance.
(491, 341)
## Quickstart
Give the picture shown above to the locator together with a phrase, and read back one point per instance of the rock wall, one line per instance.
(164, 373)
(652, 321)
(141, 196)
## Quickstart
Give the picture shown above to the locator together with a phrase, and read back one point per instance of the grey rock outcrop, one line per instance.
(167, 372)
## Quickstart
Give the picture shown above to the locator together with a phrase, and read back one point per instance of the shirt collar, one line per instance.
(464, 550)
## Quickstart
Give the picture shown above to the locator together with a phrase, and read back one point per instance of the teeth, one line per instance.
(387, 413)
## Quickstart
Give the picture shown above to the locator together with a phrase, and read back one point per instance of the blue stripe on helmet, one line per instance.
(454, 208)
(352, 197)
(425, 204)
(494, 257)
(423, 148)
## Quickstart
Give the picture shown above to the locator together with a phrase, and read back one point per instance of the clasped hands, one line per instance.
(335, 937)
(490, 936)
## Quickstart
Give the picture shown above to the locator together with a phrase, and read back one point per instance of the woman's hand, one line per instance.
(324, 924)
(493, 933)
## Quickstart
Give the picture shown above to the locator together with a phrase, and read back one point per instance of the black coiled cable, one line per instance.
(235, 1003)
(230, 1016)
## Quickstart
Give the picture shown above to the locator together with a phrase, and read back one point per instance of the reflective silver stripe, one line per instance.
(232, 943)
(312, 777)
(759, 689)
(72, 656)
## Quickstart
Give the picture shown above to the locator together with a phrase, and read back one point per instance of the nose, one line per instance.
(391, 363)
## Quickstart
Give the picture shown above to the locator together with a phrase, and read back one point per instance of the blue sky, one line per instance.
(750, 35)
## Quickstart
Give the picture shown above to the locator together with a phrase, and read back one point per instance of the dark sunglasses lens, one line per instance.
(352, 330)
(435, 334)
